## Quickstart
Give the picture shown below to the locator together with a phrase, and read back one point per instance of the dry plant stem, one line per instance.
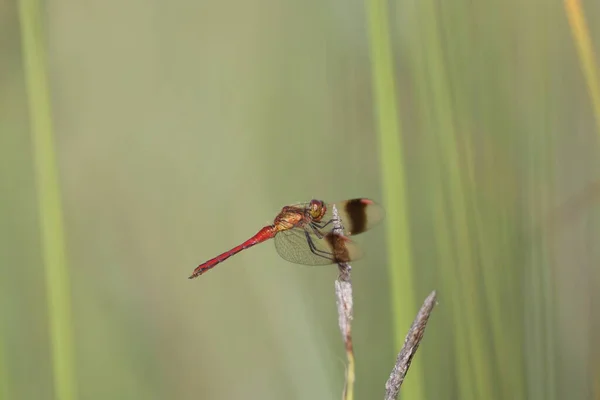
(411, 343)
(343, 293)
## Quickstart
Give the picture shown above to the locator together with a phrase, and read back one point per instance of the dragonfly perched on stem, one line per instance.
(303, 233)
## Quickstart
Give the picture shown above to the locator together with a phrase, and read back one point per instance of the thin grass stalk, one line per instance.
(393, 174)
(4, 378)
(589, 66)
(494, 264)
(49, 199)
(463, 369)
(539, 311)
(448, 137)
(541, 344)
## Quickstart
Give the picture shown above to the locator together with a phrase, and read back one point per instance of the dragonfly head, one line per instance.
(317, 209)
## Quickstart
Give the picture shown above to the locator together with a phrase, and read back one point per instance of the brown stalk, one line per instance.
(411, 343)
(343, 293)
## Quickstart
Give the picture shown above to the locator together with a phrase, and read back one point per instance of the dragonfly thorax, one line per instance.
(290, 217)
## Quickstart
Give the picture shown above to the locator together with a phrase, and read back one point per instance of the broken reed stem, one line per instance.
(411, 343)
(343, 293)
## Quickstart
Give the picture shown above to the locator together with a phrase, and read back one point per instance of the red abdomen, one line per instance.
(268, 232)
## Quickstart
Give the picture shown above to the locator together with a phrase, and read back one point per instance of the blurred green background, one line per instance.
(182, 127)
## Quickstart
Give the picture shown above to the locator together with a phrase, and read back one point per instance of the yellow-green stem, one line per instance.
(394, 187)
(581, 36)
(350, 376)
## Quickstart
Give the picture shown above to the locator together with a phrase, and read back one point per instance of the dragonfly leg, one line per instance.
(316, 230)
(314, 250)
(323, 225)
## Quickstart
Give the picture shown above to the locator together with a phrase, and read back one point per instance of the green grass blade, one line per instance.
(49, 202)
(4, 378)
(404, 306)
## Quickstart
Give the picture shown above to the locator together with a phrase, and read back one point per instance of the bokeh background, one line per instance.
(180, 128)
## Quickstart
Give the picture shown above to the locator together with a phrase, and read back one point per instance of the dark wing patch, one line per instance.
(356, 215)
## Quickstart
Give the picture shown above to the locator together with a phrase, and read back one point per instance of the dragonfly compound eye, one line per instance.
(317, 209)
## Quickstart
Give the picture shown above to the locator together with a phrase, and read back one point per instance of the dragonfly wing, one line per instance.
(356, 215)
(303, 247)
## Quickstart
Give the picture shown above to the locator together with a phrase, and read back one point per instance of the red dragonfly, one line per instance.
(303, 233)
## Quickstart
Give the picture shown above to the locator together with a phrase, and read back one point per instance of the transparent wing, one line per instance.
(302, 246)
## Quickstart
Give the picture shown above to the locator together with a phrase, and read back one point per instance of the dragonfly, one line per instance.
(304, 233)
